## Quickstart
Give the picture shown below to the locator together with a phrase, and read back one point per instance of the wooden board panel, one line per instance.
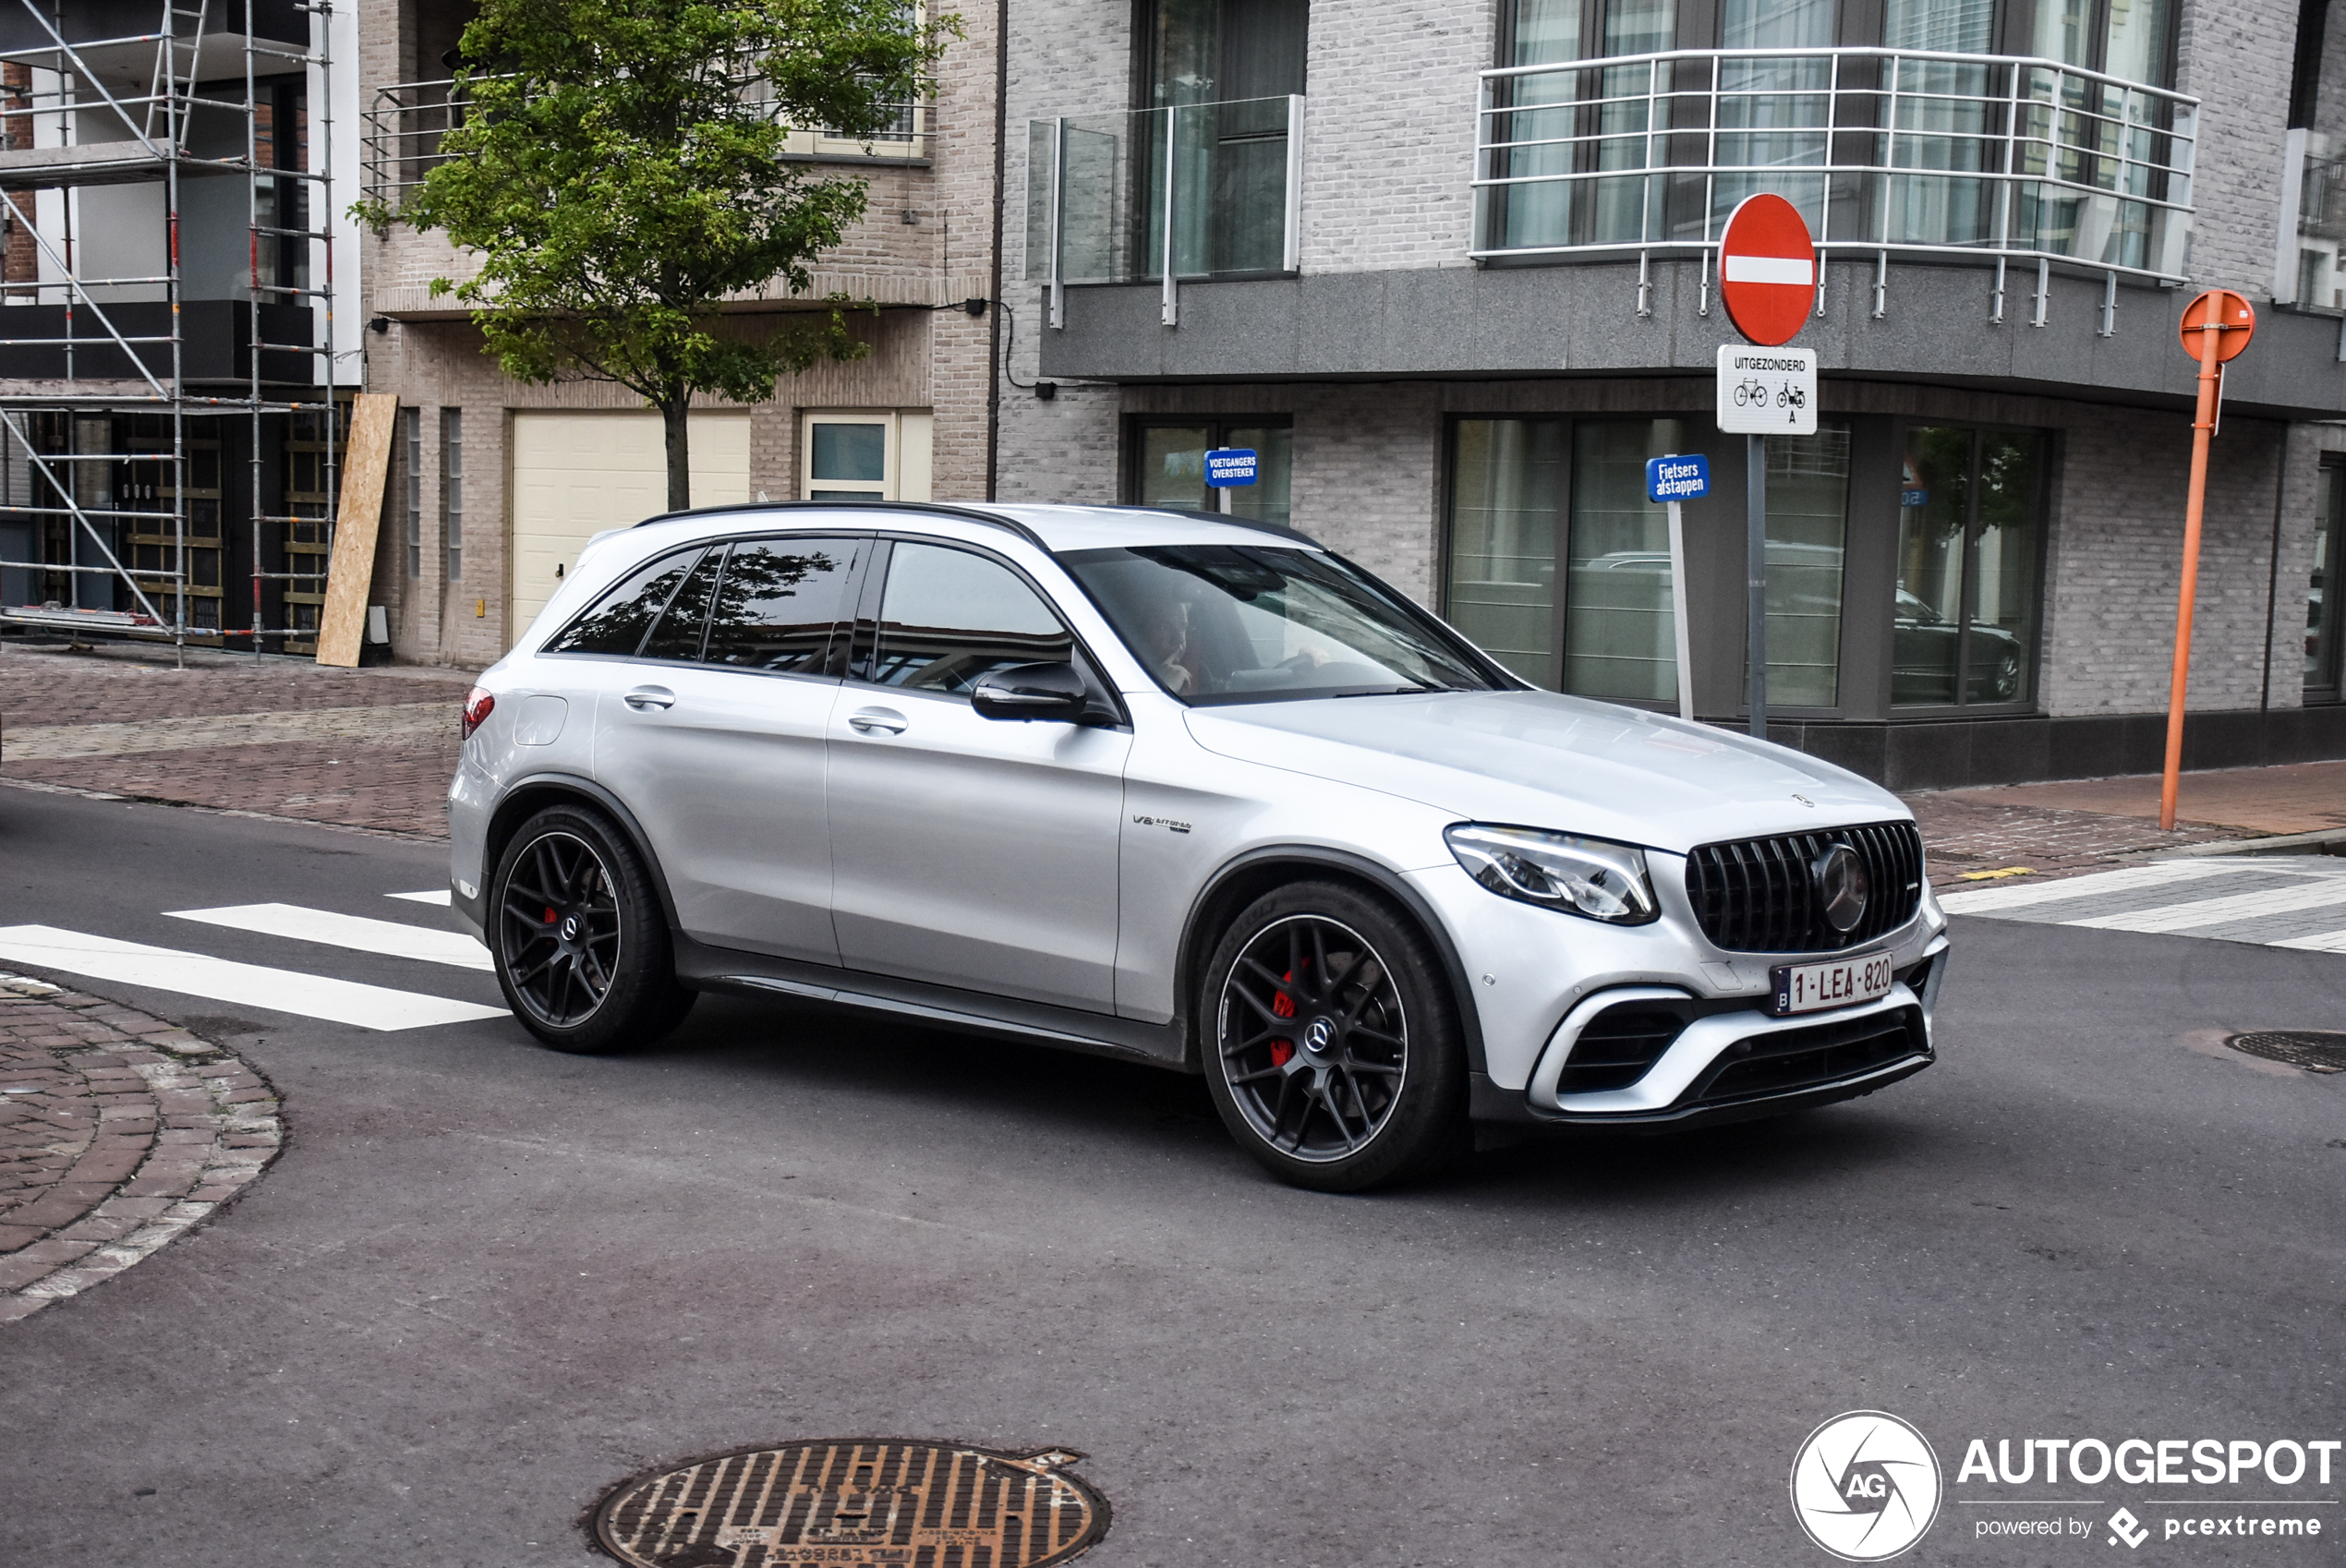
(366, 466)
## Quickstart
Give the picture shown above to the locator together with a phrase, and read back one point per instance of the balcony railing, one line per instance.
(1885, 153)
(2310, 271)
(1190, 190)
(408, 121)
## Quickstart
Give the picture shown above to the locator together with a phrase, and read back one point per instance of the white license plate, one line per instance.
(1844, 982)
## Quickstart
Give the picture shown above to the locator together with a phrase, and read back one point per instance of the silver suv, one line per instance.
(1181, 790)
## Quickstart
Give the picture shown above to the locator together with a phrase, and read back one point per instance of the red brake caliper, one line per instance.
(1283, 1051)
(549, 917)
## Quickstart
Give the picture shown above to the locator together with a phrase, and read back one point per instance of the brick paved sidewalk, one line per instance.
(369, 748)
(117, 1133)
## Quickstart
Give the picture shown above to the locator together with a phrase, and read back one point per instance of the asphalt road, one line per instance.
(487, 1282)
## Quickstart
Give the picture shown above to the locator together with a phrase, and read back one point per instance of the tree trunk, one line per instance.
(679, 466)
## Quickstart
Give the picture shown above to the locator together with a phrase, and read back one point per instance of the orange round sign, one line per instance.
(2230, 312)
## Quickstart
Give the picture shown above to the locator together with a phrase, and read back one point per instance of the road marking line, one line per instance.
(198, 974)
(428, 896)
(1982, 900)
(2218, 911)
(388, 937)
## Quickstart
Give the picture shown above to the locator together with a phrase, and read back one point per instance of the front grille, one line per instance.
(1757, 896)
(1793, 1059)
(1617, 1048)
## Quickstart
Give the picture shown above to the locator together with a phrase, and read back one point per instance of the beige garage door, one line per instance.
(575, 475)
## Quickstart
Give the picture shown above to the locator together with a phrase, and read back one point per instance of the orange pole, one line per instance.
(2204, 427)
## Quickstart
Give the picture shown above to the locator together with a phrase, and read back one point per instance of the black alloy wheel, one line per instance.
(581, 946)
(1332, 1043)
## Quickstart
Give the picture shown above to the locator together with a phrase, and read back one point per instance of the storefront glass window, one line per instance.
(2322, 594)
(1970, 518)
(1808, 528)
(1168, 467)
(1620, 637)
(1507, 484)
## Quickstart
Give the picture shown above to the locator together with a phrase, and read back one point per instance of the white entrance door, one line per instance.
(577, 474)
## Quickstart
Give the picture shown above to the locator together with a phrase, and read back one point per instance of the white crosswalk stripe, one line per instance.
(49, 949)
(2294, 901)
(428, 896)
(388, 937)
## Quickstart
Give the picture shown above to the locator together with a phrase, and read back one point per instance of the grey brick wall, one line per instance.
(2236, 57)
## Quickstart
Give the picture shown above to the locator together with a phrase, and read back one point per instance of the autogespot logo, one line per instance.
(1865, 1485)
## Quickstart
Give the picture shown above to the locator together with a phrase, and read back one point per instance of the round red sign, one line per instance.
(2230, 314)
(1767, 269)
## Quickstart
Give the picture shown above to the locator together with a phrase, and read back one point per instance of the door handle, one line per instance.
(643, 697)
(887, 720)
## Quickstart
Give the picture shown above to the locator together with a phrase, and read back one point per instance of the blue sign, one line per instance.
(1229, 465)
(1914, 497)
(1675, 477)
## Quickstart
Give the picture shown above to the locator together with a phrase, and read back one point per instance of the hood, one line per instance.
(1535, 759)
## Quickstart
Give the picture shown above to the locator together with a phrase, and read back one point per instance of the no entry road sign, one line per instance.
(1767, 269)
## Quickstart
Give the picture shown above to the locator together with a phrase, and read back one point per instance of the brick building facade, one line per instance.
(1411, 322)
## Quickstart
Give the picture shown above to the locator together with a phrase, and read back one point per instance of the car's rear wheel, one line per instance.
(581, 946)
(1331, 1040)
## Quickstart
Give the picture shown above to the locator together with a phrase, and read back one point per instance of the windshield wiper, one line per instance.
(1394, 691)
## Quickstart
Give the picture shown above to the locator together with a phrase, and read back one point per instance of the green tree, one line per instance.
(618, 170)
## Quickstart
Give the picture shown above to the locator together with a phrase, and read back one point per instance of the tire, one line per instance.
(1378, 1094)
(579, 938)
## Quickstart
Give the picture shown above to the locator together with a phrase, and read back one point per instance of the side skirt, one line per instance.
(706, 968)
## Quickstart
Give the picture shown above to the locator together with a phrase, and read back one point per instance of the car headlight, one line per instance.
(1558, 871)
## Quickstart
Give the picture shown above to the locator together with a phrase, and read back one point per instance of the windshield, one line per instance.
(1242, 623)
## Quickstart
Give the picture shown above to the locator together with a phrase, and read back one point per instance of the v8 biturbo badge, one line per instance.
(856, 1503)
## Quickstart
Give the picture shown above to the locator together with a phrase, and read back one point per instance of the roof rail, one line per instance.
(938, 509)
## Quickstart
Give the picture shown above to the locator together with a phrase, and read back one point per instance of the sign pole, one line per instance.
(2211, 320)
(1679, 614)
(2202, 428)
(1755, 490)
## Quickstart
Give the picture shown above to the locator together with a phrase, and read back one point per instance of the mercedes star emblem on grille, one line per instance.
(1842, 886)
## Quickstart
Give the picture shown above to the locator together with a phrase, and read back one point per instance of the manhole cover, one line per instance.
(2311, 1049)
(856, 1503)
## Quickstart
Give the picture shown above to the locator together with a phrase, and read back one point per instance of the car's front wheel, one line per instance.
(581, 946)
(1331, 1042)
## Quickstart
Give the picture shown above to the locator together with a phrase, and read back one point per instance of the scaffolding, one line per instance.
(124, 384)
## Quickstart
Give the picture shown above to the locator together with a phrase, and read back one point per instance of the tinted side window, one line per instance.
(950, 617)
(618, 622)
(678, 635)
(777, 602)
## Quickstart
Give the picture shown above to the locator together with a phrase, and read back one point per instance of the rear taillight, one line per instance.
(478, 705)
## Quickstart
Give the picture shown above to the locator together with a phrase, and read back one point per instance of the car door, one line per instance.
(971, 851)
(715, 740)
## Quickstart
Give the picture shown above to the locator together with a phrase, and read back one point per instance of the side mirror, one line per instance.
(1054, 692)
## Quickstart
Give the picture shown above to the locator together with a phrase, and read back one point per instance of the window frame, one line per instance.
(412, 433)
(451, 490)
(863, 637)
(834, 659)
(2047, 489)
(2315, 691)
(1218, 427)
(894, 475)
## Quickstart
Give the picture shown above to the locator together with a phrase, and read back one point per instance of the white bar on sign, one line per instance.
(1798, 269)
(198, 974)
(390, 937)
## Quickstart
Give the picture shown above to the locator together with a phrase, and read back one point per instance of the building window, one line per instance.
(1165, 466)
(451, 489)
(1970, 548)
(868, 456)
(1506, 489)
(2322, 595)
(1533, 501)
(411, 423)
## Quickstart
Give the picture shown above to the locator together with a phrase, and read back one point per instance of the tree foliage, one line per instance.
(618, 170)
